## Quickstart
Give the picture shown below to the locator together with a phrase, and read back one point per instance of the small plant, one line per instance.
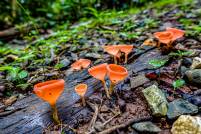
(178, 83)
(50, 91)
(180, 53)
(157, 63)
(15, 74)
(81, 90)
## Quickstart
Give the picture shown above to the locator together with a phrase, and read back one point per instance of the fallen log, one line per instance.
(35, 115)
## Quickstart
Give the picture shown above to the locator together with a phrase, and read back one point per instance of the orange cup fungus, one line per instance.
(169, 36)
(80, 64)
(116, 74)
(116, 51)
(50, 91)
(81, 89)
(99, 72)
(125, 49)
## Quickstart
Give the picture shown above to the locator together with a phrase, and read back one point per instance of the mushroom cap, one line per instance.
(81, 89)
(50, 90)
(99, 72)
(116, 73)
(125, 48)
(164, 37)
(177, 33)
(113, 50)
(81, 63)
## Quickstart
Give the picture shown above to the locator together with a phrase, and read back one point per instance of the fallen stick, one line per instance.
(110, 130)
(93, 120)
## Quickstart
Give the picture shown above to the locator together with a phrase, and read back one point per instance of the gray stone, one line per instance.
(138, 81)
(146, 127)
(156, 100)
(65, 63)
(179, 107)
(196, 63)
(93, 55)
(187, 124)
(194, 76)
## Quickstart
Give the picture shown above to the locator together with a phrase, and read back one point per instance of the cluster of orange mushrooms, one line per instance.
(51, 90)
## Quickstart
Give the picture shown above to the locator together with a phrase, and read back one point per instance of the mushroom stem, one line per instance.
(126, 58)
(111, 87)
(106, 89)
(83, 101)
(55, 114)
(115, 60)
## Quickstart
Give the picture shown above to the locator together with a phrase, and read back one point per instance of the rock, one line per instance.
(156, 100)
(93, 56)
(183, 69)
(138, 81)
(2, 88)
(65, 63)
(146, 127)
(196, 63)
(194, 76)
(179, 107)
(187, 124)
(187, 62)
(196, 100)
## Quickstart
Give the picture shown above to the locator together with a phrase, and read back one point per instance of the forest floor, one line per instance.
(32, 59)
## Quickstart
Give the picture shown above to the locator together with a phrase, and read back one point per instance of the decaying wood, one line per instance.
(36, 114)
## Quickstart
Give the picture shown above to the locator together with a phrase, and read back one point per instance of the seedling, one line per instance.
(177, 84)
(50, 91)
(99, 72)
(80, 64)
(157, 63)
(116, 74)
(81, 90)
(181, 54)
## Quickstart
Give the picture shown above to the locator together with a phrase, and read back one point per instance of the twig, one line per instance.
(93, 108)
(110, 130)
(93, 120)
(106, 122)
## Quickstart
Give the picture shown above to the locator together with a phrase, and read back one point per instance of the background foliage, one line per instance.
(56, 11)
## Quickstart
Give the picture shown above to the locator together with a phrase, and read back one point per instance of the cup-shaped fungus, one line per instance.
(81, 90)
(169, 36)
(99, 72)
(177, 33)
(114, 51)
(116, 74)
(50, 91)
(80, 64)
(125, 49)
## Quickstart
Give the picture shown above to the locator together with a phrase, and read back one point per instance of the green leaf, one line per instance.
(178, 83)
(23, 86)
(59, 65)
(156, 63)
(22, 74)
